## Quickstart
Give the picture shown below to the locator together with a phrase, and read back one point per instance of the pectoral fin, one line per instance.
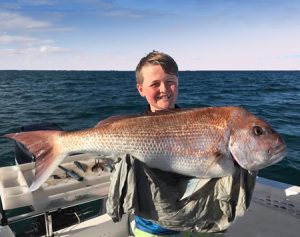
(193, 186)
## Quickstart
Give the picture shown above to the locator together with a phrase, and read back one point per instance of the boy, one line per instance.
(156, 194)
(157, 81)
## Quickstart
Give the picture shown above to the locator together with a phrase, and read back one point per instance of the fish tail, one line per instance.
(47, 150)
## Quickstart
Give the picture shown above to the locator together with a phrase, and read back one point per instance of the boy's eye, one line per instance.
(154, 84)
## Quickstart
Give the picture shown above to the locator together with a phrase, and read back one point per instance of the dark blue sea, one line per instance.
(80, 99)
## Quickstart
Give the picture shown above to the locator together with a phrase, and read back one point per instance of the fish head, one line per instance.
(253, 143)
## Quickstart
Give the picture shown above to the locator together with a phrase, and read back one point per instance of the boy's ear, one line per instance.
(140, 89)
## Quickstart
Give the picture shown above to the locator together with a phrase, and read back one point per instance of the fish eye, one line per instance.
(257, 130)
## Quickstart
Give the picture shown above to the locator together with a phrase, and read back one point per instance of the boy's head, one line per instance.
(157, 80)
(167, 63)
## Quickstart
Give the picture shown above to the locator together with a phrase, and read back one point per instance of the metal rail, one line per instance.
(33, 214)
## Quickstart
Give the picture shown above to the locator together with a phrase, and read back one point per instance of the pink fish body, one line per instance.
(205, 142)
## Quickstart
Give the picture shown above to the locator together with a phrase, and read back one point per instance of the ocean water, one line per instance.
(80, 99)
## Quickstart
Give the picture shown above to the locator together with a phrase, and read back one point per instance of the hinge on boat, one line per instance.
(3, 219)
(48, 224)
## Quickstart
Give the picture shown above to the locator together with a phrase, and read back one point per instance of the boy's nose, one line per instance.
(163, 87)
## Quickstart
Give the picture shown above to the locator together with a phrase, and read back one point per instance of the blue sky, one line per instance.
(114, 35)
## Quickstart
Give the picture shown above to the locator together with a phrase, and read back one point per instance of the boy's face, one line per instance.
(159, 88)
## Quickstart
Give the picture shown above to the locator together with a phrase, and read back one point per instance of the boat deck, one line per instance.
(259, 221)
(274, 212)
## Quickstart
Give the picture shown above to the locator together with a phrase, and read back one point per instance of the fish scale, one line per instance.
(176, 146)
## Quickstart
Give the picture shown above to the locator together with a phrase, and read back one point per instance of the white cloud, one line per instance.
(36, 51)
(22, 40)
(29, 52)
(49, 49)
(14, 21)
(123, 13)
(24, 37)
(36, 2)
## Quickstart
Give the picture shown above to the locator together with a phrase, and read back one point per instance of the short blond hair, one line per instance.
(167, 63)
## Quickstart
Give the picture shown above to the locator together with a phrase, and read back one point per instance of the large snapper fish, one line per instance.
(205, 142)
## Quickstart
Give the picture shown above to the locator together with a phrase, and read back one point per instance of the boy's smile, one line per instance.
(159, 88)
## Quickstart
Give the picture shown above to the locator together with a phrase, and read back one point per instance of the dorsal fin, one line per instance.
(112, 119)
(167, 111)
(116, 118)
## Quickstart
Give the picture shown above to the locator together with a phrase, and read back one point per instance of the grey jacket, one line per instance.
(157, 195)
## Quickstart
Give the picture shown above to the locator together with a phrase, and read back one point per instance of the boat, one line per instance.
(274, 210)
(84, 180)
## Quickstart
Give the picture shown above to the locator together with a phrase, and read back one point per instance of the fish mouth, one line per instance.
(274, 155)
(278, 153)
